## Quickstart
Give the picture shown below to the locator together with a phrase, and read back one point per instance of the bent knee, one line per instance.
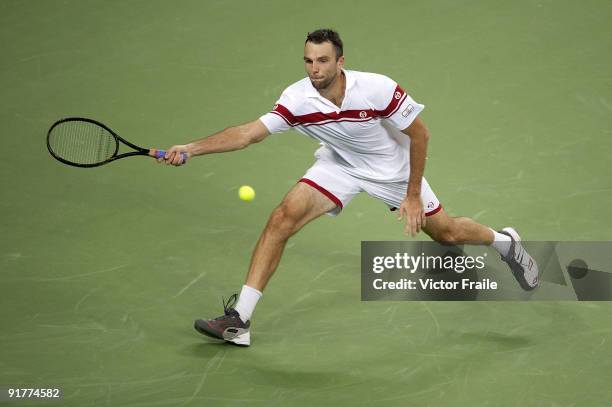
(284, 219)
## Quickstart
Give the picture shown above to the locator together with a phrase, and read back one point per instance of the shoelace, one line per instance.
(228, 305)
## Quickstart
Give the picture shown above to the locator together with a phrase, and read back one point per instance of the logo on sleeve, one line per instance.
(398, 95)
(362, 114)
(408, 110)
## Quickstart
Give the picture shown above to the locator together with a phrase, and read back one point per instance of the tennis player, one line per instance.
(373, 141)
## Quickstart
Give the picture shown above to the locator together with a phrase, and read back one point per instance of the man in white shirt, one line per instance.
(372, 141)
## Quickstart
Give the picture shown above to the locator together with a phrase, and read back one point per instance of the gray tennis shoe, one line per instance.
(228, 327)
(523, 266)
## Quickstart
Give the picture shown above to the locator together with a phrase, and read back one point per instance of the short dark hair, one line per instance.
(326, 34)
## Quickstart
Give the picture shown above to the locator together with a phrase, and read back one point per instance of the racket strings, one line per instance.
(82, 142)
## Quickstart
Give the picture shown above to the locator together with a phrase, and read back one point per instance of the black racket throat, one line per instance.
(86, 143)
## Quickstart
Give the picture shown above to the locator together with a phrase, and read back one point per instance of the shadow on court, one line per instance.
(503, 340)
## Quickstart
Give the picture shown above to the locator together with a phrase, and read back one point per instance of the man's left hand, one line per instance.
(412, 209)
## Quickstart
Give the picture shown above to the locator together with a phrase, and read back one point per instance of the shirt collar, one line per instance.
(350, 81)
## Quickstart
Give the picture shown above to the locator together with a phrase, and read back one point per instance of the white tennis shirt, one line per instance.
(362, 136)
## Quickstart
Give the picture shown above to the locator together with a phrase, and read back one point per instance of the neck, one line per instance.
(335, 90)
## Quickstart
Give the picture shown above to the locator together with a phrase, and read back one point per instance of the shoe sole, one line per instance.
(518, 275)
(243, 339)
(518, 272)
(205, 332)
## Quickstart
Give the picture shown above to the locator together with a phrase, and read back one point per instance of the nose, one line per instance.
(315, 67)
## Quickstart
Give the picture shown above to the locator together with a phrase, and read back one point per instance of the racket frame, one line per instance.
(139, 150)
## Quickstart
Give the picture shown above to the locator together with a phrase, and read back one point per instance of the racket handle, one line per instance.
(162, 153)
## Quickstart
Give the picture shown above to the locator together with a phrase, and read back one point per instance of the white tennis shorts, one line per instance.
(340, 187)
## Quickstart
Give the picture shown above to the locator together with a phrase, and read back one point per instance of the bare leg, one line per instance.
(301, 205)
(443, 228)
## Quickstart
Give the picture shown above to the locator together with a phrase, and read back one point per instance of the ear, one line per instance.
(341, 61)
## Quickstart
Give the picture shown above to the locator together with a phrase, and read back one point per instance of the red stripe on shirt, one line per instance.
(355, 115)
(396, 107)
(285, 114)
(281, 116)
(394, 104)
(316, 117)
(322, 123)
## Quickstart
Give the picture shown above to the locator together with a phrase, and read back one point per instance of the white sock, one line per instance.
(501, 243)
(247, 302)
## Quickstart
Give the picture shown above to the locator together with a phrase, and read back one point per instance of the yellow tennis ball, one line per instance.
(246, 193)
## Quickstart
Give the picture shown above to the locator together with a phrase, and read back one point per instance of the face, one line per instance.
(321, 65)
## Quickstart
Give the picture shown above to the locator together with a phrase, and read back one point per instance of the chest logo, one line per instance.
(398, 95)
(362, 114)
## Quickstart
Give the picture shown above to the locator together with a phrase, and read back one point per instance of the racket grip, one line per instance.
(162, 153)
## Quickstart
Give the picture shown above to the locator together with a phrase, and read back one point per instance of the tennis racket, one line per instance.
(87, 143)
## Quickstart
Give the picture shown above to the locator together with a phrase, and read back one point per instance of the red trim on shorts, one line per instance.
(434, 211)
(322, 190)
(426, 214)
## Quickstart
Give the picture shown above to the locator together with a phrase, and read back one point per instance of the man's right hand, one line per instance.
(174, 157)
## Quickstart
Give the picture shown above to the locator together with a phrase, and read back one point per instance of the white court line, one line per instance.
(433, 316)
(192, 282)
(218, 356)
(72, 277)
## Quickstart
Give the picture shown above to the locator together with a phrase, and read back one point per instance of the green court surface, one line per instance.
(103, 270)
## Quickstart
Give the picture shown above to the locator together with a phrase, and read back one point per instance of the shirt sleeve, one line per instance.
(400, 109)
(280, 118)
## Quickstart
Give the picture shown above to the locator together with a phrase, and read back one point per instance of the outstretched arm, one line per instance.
(412, 207)
(230, 139)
